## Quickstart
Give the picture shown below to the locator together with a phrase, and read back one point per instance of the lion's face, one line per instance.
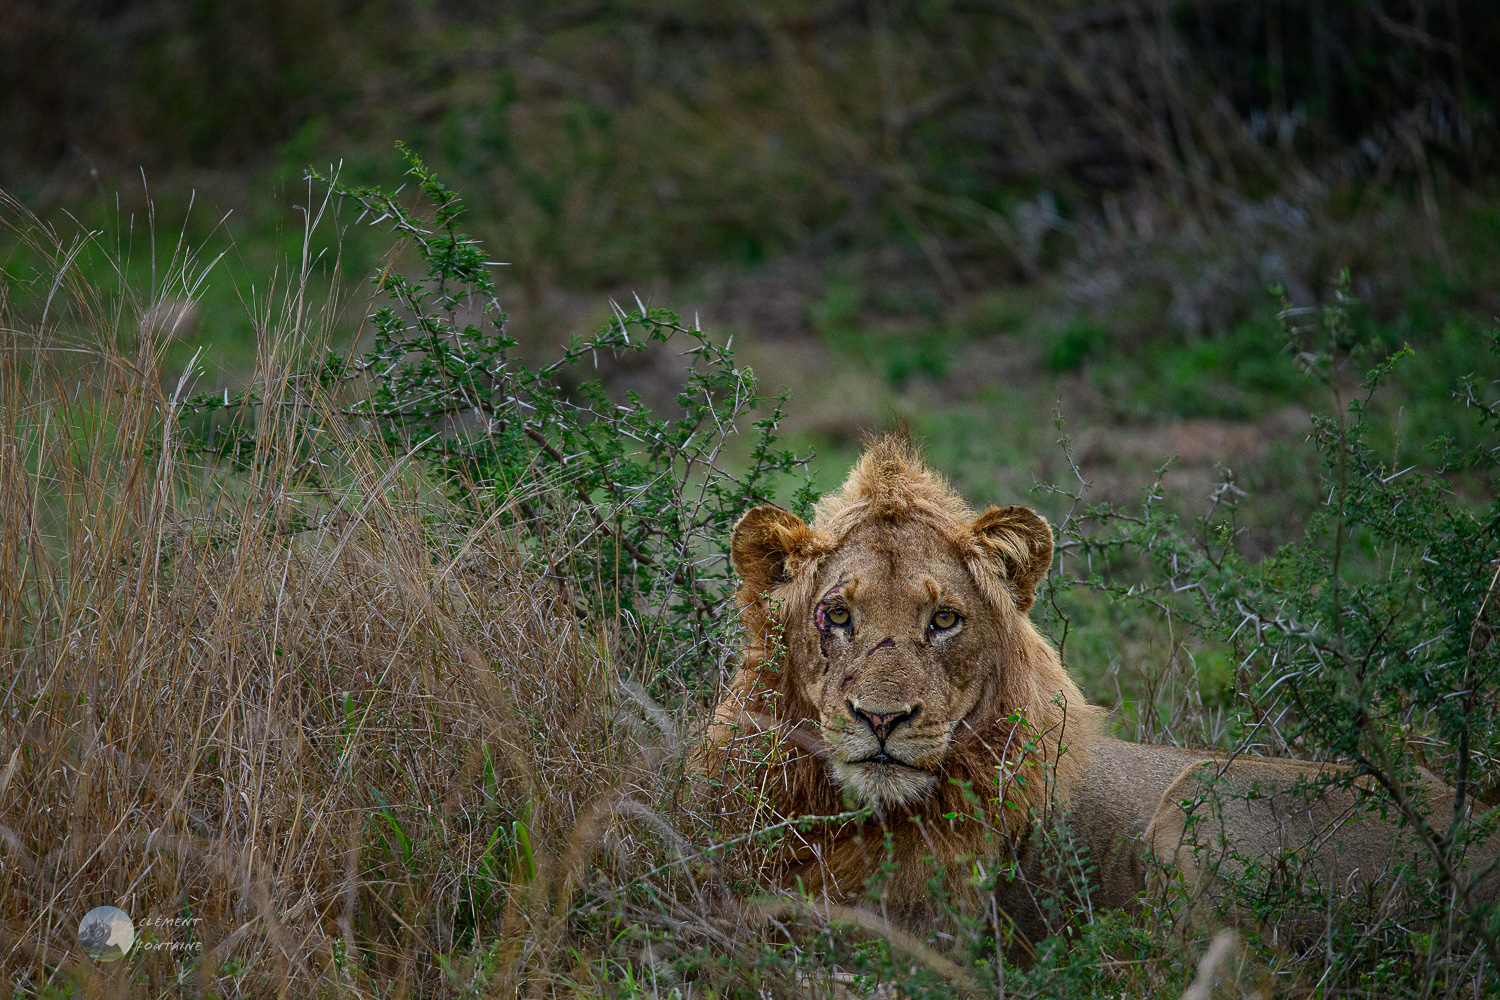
(895, 631)
(890, 652)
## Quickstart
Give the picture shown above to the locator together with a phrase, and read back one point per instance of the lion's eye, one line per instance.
(838, 616)
(945, 619)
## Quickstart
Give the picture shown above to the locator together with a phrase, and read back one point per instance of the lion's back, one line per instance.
(1280, 819)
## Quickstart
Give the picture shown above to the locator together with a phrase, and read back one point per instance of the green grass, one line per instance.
(227, 268)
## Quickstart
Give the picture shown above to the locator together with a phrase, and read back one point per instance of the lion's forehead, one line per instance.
(894, 567)
(893, 582)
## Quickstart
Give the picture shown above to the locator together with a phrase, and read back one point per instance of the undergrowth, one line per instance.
(379, 677)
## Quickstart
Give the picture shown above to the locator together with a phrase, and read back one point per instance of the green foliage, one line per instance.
(1239, 376)
(897, 351)
(897, 357)
(624, 136)
(1370, 639)
(646, 502)
(1074, 345)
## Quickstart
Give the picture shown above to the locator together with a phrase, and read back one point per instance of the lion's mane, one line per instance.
(1002, 770)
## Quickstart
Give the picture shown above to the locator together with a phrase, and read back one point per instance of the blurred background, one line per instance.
(967, 214)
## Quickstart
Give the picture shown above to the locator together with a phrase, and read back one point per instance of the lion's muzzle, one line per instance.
(882, 756)
(883, 724)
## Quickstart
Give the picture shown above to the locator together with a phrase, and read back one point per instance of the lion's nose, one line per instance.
(882, 724)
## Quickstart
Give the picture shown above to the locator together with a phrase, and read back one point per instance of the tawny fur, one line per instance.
(893, 546)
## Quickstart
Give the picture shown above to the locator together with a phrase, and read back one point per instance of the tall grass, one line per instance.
(344, 731)
(319, 727)
(324, 711)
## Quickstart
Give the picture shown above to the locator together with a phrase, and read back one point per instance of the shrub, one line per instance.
(1369, 640)
(640, 504)
(1073, 346)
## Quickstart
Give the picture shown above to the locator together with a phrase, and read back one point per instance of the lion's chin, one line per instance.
(883, 784)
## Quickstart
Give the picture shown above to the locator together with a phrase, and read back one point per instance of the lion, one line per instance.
(893, 685)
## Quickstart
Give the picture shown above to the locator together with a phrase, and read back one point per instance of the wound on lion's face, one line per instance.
(892, 687)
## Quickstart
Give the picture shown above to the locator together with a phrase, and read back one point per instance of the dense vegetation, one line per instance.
(618, 140)
(377, 675)
(365, 629)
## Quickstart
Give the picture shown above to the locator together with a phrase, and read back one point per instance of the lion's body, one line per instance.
(891, 665)
(1293, 821)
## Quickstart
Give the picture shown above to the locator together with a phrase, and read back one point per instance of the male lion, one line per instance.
(891, 665)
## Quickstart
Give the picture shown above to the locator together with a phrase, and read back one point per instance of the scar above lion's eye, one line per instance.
(945, 619)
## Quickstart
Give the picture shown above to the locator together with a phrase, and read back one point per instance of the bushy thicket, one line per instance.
(1368, 640)
(642, 503)
(384, 670)
(341, 685)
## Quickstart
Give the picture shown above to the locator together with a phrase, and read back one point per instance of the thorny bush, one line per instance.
(643, 503)
(1369, 640)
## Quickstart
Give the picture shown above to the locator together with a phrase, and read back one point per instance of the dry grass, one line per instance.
(316, 725)
(342, 728)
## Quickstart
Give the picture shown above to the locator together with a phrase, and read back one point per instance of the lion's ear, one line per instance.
(1019, 538)
(763, 540)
